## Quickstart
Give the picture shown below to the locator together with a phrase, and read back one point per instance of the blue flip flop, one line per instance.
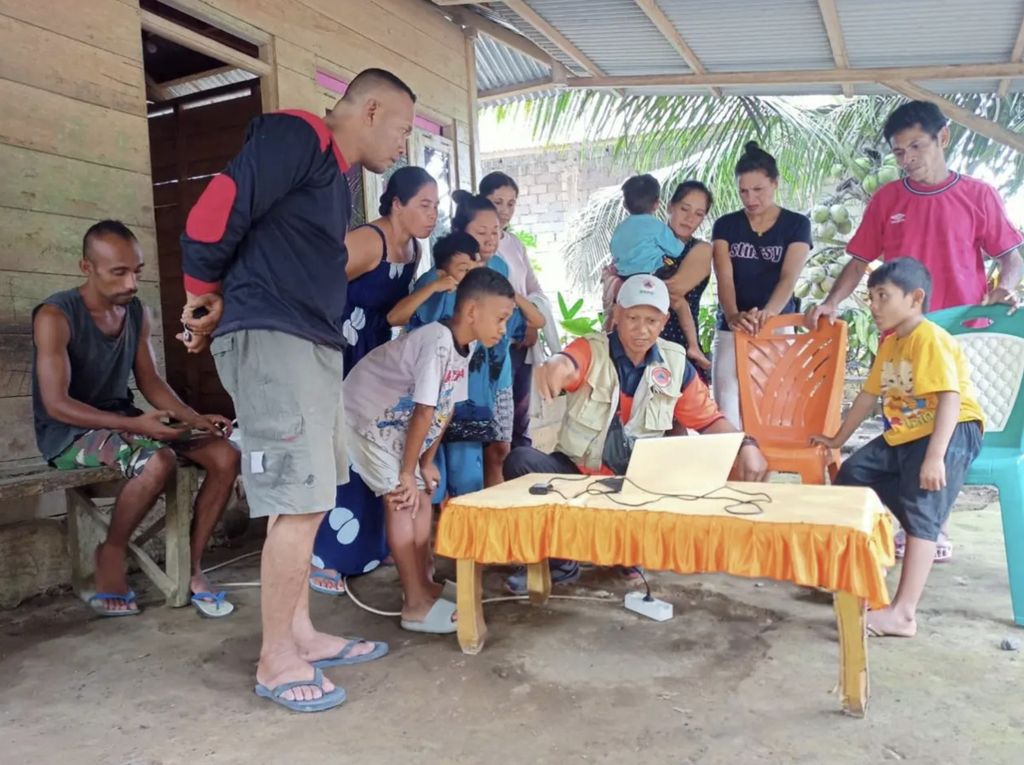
(212, 605)
(327, 701)
(342, 657)
(335, 577)
(127, 599)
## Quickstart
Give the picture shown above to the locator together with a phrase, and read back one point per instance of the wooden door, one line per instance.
(192, 138)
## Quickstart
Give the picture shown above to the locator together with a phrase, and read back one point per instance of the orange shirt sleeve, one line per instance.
(580, 353)
(695, 408)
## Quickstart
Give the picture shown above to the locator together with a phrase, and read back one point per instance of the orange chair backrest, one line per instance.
(791, 379)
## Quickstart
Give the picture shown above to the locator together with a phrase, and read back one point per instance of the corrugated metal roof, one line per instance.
(743, 36)
(498, 65)
(759, 35)
(925, 32)
(615, 34)
(199, 84)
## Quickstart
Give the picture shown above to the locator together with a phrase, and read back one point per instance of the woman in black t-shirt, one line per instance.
(758, 254)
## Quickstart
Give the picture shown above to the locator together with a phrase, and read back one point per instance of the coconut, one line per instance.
(870, 183)
(844, 227)
(888, 174)
(819, 214)
(828, 230)
(839, 213)
(861, 166)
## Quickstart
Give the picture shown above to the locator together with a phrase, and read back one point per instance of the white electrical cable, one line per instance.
(233, 560)
(499, 599)
(378, 612)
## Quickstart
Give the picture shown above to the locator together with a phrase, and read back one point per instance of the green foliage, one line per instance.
(862, 334)
(528, 239)
(707, 320)
(576, 325)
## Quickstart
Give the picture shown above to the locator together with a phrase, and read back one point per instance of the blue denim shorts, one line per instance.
(894, 472)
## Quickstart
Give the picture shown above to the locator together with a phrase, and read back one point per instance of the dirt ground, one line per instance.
(744, 673)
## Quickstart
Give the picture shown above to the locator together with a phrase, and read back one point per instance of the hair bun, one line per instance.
(461, 196)
(752, 148)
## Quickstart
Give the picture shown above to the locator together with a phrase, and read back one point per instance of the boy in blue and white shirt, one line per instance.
(398, 401)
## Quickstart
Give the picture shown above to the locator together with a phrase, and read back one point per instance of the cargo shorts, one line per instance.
(288, 401)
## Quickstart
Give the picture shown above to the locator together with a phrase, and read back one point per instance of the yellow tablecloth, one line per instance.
(835, 537)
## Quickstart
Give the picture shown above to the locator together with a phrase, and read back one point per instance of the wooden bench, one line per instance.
(33, 477)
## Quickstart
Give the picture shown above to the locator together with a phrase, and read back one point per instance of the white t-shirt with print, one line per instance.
(420, 367)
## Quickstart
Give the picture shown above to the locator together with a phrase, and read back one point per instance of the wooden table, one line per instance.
(834, 537)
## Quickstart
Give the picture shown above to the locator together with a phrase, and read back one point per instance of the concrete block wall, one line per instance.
(554, 187)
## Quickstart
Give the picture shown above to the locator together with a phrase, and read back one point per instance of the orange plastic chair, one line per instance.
(791, 388)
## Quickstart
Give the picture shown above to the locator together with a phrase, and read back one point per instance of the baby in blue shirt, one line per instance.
(642, 241)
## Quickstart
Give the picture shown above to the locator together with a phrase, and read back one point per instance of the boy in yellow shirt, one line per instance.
(933, 428)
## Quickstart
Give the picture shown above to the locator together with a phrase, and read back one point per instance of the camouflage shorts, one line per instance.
(98, 448)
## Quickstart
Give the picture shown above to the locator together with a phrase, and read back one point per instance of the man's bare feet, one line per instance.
(317, 646)
(888, 622)
(274, 671)
(110, 577)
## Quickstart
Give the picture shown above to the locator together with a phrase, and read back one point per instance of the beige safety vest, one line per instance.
(590, 408)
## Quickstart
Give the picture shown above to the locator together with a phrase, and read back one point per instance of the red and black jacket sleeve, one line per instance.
(280, 151)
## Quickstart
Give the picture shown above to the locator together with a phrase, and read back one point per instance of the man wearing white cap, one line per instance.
(621, 386)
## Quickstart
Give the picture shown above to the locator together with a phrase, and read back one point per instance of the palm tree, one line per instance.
(703, 137)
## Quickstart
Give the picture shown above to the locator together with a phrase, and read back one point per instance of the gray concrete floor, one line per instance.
(744, 673)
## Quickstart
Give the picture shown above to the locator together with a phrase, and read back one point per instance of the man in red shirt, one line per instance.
(621, 386)
(947, 221)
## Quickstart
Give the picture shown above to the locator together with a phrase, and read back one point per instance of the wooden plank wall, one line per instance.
(74, 144)
(74, 148)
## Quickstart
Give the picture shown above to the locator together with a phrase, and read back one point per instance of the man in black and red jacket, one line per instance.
(264, 254)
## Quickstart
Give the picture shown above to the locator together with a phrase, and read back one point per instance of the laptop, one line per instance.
(689, 465)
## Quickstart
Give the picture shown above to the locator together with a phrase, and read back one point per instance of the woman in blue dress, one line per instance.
(479, 436)
(382, 260)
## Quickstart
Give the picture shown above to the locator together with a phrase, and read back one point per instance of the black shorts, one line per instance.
(894, 472)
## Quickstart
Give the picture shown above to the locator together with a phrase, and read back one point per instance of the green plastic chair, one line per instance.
(994, 345)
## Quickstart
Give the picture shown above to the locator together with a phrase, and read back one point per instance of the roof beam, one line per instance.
(560, 41)
(968, 119)
(506, 36)
(805, 76)
(1015, 56)
(834, 29)
(668, 29)
(158, 25)
(519, 89)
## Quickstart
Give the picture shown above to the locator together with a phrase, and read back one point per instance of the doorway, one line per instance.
(198, 106)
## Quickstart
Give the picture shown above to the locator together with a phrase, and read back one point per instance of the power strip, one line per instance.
(659, 610)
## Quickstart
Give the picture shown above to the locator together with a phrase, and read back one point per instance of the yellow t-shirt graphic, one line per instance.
(909, 373)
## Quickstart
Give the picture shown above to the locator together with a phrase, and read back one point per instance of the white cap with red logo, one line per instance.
(644, 290)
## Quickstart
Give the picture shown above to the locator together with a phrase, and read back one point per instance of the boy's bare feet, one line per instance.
(888, 622)
(418, 612)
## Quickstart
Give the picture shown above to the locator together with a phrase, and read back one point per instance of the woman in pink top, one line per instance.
(947, 221)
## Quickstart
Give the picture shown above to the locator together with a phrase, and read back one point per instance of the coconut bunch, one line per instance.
(820, 274)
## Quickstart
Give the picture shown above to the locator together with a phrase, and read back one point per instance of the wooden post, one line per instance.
(178, 502)
(538, 582)
(472, 628)
(853, 653)
(474, 109)
(80, 563)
